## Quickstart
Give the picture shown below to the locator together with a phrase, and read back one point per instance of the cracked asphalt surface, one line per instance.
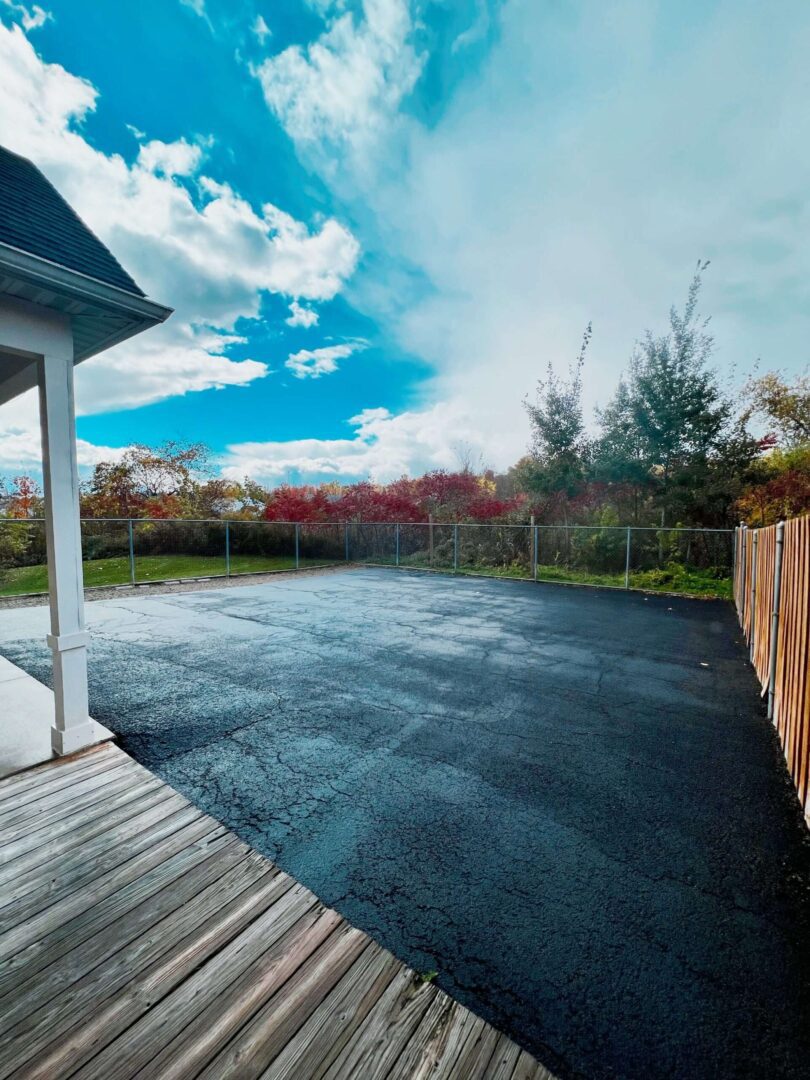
(568, 802)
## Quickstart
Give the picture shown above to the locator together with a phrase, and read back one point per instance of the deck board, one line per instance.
(138, 937)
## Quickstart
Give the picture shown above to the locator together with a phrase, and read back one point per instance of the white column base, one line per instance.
(77, 737)
(73, 729)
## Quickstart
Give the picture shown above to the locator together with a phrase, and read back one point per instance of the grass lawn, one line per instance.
(34, 579)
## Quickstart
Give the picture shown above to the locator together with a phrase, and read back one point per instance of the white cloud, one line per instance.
(261, 31)
(20, 442)
(161, 370)
(341, 90)
(178, 158)
(326, 7)
(477, 30)
(312, 363)
(301, 316)
(210, 256)
(382, 448)
(577, 173)
(31, 18)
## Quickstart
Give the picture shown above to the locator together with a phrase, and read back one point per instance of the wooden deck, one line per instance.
(139, 937)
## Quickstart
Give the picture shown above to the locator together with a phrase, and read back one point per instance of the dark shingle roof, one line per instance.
(35, 218)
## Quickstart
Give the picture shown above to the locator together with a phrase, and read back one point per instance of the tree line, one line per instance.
(671, 447)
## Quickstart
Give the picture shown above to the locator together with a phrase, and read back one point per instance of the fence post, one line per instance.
(535, 545)
(296, 545)
(346, 538)
(627, 561)
(397, 535)
(131, 553)
(755, 541)
(430, 537)
(455, 547)
(777, 589)
(227, 549)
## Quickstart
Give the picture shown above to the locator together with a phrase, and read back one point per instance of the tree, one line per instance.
(781, 487)
(147, 482)
(304, 503)
(785, 406)
(559, 451)
(251, 497)
(373, 502)
(618, 458)
(676, 405)
(24, 500)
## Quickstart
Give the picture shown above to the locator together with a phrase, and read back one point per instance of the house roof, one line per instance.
(49, 259)
(34, 218)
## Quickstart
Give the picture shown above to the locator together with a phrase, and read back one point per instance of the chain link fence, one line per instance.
(123, 551)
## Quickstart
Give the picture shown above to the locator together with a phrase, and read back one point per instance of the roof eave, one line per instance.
(51, 276)
(85, 298)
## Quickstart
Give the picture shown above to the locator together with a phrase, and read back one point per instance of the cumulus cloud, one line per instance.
(179, 158)
(196, 244)
(312, 363)
(197, 6)
(31, 17)
(341, 90)
(301, 316)
(577, 173)
(476, 31)
(261, 31)
(20, 441)
(382, 448)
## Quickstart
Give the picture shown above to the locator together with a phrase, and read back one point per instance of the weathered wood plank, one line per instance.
(196, 1021)
(477, 1052)
(462, 1030)
(264, 1037)
(53, 775)
(129, 807)
(33, 895)
(48, 943)
(504, 1060)
(55, 821)
(58, 785)
(529, 1069)
(176, 882)
(428, 1043)
(102, 852)
(319, 1042)
(63, 789)
(58, 1039)
(125, 790)
(436, 1044)
(41, 810)
(373, 1049)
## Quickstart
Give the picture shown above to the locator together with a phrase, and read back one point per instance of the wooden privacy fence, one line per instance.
(772, 594)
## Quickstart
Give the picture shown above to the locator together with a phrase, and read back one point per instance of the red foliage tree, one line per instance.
(25, 498)
(370, 502)
(305, 503)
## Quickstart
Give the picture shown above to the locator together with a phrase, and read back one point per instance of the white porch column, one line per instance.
(68, 639)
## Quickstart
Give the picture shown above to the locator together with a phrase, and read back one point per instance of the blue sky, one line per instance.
(378, 221)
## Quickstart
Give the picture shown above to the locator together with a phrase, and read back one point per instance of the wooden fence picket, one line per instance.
(791, 676)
